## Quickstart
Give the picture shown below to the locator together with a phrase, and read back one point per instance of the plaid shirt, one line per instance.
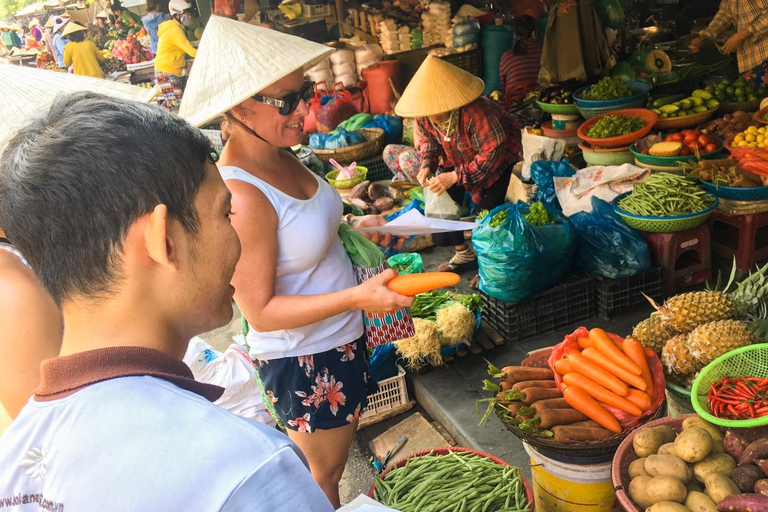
(745, 14)
(485, 143)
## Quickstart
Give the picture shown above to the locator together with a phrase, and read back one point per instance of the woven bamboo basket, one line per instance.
(345, 156)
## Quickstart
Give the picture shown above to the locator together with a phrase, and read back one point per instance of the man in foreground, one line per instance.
(136, 247)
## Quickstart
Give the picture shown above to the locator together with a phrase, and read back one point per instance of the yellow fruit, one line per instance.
(743, 143)
(753, 144)
(761, 130)
(760, 139)
(752, 129)
(738, 138)
(750, 137)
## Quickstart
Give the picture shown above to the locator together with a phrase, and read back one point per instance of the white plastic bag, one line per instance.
(342, 55)
(440, 207)
(575, 193)
(536, 147)
(233, 371)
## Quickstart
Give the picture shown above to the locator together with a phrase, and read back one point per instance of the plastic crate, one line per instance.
(569, 302)
(392, 393)
(614, 295)
(468, 61)
(377, 169)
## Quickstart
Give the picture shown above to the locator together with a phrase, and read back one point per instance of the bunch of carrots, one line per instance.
(754, 160)
(606, 372)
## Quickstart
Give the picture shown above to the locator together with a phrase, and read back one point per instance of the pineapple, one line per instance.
(653, 332)
(676, 356)
(709, 341)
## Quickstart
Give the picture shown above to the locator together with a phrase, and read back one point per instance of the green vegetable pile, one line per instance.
(426, 304)
(609, 88)
(498, 219)
(468, 481)
(615, 126)
(666, 195)
(538, 215)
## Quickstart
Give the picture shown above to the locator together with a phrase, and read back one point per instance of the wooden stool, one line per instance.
(684, 257)
(742, 236)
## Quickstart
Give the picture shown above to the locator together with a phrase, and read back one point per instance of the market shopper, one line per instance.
(130, 20)
(750, 42)
(520, 66)
(468, 144)
(81, 53)
(59, 43)
(172, 49)
(295, 283)
(36, 31)
(157, 13)
(137, 243)
(9, 37)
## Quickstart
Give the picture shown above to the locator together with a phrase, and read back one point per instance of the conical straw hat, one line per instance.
(49, 23)
(58, 22)
(236, 60)
(436, 88)
(72, 27)
(30, 92)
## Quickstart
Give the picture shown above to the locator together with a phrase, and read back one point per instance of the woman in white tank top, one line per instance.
(294, 282)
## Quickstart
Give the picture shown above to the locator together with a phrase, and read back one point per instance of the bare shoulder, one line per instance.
(19, 288)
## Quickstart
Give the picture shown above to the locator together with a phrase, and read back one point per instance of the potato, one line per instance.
(637, 468)
(668, 465)
(667, 506)
(693, 445)
(667, 449)
(637, 491)
(648, 440)
(715, 463)
(699, 502)
(694, 485)
(720, 487)
(698, 421)
(666, 488)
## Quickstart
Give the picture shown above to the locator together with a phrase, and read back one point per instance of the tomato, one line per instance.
(675, 137)
(686, 132)
(685, 151)
(691, 137)
(645, 152)
(710, 148)
(703, 140)
(692, 147)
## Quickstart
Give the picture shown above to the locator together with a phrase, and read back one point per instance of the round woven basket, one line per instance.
(374, 144)
(672, 161)
(684, 122)
(736, 193)
(744, 106)
(663, 224)
(648, 117)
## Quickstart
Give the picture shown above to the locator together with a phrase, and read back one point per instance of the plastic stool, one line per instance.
(741, 236)
(684, 257)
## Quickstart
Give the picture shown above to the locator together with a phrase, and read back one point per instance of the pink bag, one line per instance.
(338, 109)
(381, 329)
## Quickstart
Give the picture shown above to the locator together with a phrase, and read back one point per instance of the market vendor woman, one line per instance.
(750, 42)
(468, 144)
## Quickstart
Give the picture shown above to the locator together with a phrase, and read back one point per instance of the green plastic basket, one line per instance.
(663, 224)
(346, 184)
(750, 361)
(552, 108)
(673, 161)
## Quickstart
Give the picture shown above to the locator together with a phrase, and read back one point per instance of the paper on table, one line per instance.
(414, 223)
(365, 504)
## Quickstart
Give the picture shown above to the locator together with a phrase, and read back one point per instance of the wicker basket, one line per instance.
(663, 224)
(744, 106)
(685, 121)
(345, 156)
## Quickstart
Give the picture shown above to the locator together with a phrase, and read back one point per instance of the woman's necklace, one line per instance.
(450, 126)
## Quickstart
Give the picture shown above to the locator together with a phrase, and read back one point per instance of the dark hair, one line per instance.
(157, 5)
(117, 6)
(525, 26)
(77, 36)
(75, 180)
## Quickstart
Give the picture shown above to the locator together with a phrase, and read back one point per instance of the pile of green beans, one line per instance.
(452, 483)
(666, 195)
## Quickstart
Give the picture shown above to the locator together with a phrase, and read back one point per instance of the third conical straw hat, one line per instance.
(436, 88)
(236, 60)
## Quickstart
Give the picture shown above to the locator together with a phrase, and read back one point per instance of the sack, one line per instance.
(392, 126)
(368, 261)
(440, 207)
(607, 246)
(543, 174)
(611, 13)
(516, 259)
(536, 147)
(406, 263)
(331, 109)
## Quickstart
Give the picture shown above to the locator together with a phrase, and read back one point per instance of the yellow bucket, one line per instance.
(563, 487)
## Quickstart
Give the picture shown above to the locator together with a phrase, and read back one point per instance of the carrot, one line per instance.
(553, 417)
(562, 367)
(601, 394)
(597, 373)
(585, 404)
(584, 342)
(551, 403)
(414, 284)
(636, 353)
(531, 395)
(599, 358)
(515, 374)
(514, 407)
(534, 384)
(639, 398)
(504, 385)
(605, 345)
(579, 434)
(588, 423)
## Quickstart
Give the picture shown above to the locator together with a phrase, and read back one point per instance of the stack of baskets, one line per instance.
(591, 108)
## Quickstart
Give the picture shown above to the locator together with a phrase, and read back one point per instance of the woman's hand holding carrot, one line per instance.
(373, 295)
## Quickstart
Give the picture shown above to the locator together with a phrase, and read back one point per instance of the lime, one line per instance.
(751, 97)
(711, 88)
(740, 91)
(739, 82)
(726, 82)
(730, 91)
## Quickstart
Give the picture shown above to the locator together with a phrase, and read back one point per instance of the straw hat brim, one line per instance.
(436, 88)
(236, 60)
(30, 92)
(73, 27)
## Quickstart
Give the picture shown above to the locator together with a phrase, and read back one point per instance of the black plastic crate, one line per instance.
(569, 302)
(377, 169)
(468, 61)
(614, 295)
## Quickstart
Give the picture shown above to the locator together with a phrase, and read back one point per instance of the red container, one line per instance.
(445, 450)
(380, 92)
(646, 115)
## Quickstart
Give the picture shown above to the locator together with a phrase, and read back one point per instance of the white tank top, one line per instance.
(311, 260)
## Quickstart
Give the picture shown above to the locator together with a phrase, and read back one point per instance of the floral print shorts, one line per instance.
(319, 391)
(758, 74)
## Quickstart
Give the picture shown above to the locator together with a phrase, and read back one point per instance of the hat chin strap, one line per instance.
(249, 129)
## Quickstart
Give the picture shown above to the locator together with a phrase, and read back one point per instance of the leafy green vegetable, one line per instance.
(481, 215)
(538, 215)
(615, 126)
(426, 304)
(609, 88)
(499, 219)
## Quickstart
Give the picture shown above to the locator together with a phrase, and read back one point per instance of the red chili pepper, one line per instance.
(733, 410)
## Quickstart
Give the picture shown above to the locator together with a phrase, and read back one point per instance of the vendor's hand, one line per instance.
(733, 42)
(443, 182)
(423, 177)
(374, 296)
(695, 45)
(375, 221)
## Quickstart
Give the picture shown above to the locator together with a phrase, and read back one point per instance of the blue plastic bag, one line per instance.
(607, 246)
(518, 260)
(383, 362)
(392, 126)
(318, 140)
(543, 173)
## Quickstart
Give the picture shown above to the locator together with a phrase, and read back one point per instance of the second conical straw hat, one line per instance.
(436, 88)
(236, 60)
(71, 28)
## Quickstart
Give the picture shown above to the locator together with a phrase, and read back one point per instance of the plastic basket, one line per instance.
(640, 91)
(615, 295)
(552, 108)
(663, 224)
(672, 161)
(685, 121)
(736, 193)
(564, 305)
(589, 113)
(469, 61)
(346, 184)
(392, 393)
(750, 361)
(377, 169)
(645, 115)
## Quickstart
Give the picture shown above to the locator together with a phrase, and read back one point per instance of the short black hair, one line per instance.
(157, 5)
(525, 26)
(117, 6)
(74, 180)
(77, 37)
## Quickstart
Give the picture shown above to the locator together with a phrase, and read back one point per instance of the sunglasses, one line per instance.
(290, 101)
